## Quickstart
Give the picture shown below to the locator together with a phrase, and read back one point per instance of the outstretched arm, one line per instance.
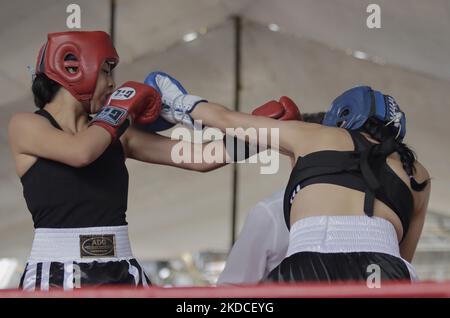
(273, 133)
(154, 148)
(181, 107)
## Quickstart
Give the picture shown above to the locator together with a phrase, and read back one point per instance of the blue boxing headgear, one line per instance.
(354, 107)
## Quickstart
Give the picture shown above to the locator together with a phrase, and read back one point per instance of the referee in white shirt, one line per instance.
(261, 245)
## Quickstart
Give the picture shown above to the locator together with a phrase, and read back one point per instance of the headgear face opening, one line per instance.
(354, 107)
(74, 58)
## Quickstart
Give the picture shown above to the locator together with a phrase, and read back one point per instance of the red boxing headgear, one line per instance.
(74, 58)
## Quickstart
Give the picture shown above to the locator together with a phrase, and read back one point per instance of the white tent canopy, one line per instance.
(310, 59)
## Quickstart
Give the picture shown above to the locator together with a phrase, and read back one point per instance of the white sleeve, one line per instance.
(247, 261)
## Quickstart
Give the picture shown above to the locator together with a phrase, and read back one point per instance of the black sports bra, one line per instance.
(61, 196)
(363, 169)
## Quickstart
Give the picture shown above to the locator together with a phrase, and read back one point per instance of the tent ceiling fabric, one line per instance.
(307, 61)
(142, 27)
(414, 33)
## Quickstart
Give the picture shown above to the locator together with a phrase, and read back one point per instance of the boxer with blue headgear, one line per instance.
(354, 107)
(348, 204)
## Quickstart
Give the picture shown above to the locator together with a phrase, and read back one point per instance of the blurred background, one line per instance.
(311, 50)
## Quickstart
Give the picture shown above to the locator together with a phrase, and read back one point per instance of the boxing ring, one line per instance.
(317, 290)
(239, 42)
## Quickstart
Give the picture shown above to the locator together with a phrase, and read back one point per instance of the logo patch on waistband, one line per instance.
(98, 245)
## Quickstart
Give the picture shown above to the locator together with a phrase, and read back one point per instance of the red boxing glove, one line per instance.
(131, 102)
(284, 109)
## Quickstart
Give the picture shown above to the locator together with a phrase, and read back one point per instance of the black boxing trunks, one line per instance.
(342, 248)
(83, 257)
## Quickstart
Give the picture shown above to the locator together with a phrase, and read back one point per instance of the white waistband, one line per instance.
(343, 234)
(81, 244)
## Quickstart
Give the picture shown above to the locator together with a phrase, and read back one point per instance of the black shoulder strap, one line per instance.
(364, 159)
(365, 149)
(372, 156)
(366, 170)
(47, 115)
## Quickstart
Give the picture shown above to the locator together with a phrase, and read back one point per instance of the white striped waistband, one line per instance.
(81, 244)
(343, 234)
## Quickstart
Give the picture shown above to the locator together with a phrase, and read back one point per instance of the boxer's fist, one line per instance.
(284, 109)
(177, 103)
(131, 102)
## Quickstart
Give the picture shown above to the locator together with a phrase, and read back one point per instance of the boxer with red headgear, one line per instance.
(72, 167)
(74, 59)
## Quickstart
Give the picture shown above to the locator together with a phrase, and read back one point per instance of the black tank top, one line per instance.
(61, 196)
(364, 169)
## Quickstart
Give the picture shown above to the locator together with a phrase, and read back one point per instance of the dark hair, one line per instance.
(44, 90)
(315, 118)
(379, 131)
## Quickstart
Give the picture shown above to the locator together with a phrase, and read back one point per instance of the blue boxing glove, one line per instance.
(177, 103)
